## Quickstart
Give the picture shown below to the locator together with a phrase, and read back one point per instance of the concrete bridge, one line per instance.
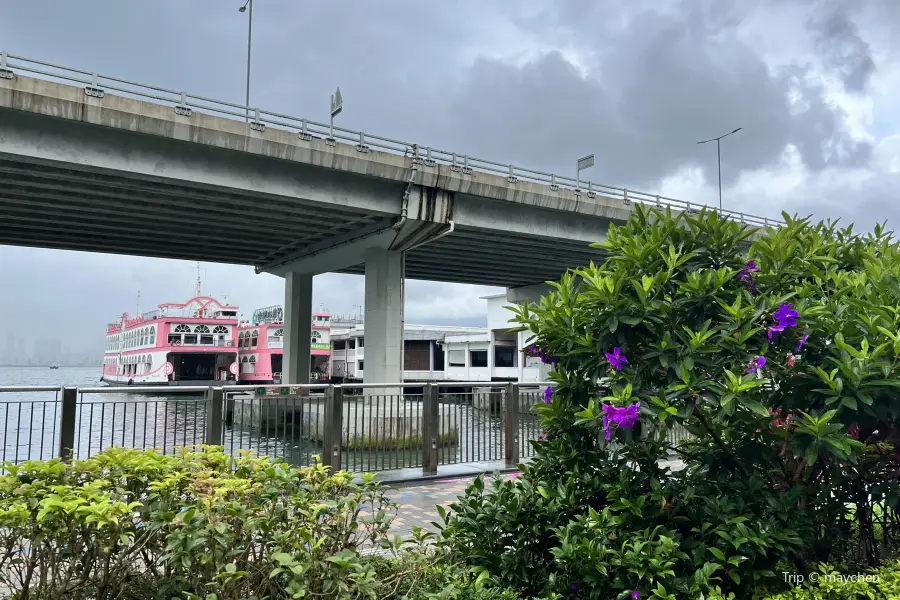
(101, 164)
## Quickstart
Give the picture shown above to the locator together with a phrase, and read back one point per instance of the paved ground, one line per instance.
(418, 502)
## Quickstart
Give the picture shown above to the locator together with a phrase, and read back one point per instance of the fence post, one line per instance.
(215, 409)
(511, 424)
(331, 435)
(67, 423)
(430, 426)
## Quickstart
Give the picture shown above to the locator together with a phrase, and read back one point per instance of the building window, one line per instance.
(362, 342)
(339, 344)
(279, 333)
(360, 365)
(351, 344)
(456, 358)
(505, 356)
(479, 358)
(254, 338)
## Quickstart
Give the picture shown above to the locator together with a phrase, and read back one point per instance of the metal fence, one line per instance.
(357, 427)
(96, 85)
(30, 418)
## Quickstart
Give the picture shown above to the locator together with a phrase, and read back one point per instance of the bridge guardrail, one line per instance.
(184, 104)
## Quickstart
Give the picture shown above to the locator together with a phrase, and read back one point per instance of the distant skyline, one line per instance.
(814, 85)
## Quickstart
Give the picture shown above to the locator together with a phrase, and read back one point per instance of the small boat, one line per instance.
(54, 366)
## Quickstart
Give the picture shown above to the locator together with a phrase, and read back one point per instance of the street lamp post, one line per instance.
(248, 3)
(718, 141)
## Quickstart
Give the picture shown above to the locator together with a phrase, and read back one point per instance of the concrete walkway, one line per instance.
(418, 502)
(419, 498)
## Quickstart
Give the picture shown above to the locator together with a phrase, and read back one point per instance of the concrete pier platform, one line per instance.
(365, 423)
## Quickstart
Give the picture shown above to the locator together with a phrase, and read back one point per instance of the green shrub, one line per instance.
(780, 363)
(135, 524)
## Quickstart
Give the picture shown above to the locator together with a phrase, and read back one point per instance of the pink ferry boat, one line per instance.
(260, 346)
(178, 344)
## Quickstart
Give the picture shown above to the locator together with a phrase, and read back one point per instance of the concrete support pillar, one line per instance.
(384, 316)
(298, 288)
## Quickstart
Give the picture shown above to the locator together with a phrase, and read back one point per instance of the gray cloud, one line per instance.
(843, 49)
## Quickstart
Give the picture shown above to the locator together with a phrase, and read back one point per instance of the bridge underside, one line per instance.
(48, 205)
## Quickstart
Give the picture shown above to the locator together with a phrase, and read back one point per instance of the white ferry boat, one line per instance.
(192, 343)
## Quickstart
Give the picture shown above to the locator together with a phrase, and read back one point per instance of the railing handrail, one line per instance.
(249, 387)
(175, 389)
(307, 129)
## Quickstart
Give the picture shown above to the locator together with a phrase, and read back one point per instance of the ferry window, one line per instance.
(220, 329)
(182, 328)
(279, 333)
(206, 340)
(153, 336)
(201, 329)
(174, 339)
(253, 338)
(456, 358)
(479, 358)
(190, 338)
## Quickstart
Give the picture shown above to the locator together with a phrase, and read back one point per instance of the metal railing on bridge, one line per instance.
(356, 427)
(96, 85)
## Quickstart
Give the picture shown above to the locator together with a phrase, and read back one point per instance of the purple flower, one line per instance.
(786, 316)
(548, 393)
(746, 275)
(543, 436)
(574, 587)
(635, 595)
(622, 416)
(773, 330)
(801, 342)
(757, 364)
(616, 359)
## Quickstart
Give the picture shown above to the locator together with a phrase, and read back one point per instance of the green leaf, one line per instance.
(849, 402)
(717, 553)
(756, 407)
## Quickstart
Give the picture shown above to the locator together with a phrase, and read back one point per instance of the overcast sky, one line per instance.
(814, 84)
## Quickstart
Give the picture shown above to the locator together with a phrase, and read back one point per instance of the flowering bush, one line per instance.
(781, 364)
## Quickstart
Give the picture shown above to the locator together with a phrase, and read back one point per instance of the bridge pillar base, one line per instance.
(383, 362)
(298, 288)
